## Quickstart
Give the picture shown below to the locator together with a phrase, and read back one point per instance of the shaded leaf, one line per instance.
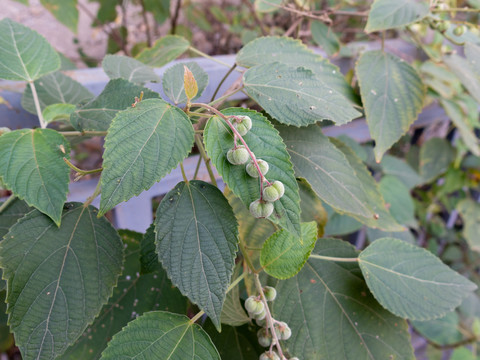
(283, 255)
(411, 282)
(233, 312)
(55, 88)
(375, 234)
(161, 335)
(58, 112)
(399, 201)
(311, 206)
(442, 331)
(472, 52)
(24, 53)
(470, 212)
(148, 254)
(10, 215)
(234, 343)
(64, 11)
(159, 9)
(173, 84)
(124, 67)
(392, 94)
(333, 315)
(32, 166)
(196, 242)
(264, 141)
(436, 155)
(295, 96)
(465, 73)
(134, 295)
(402, 170)
(391, 14)
(58, 279)
(325, 37)
(164, 50)
(144, 143)
(98, 113)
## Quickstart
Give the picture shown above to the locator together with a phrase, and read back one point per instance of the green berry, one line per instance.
(261, 315)
(264, 337)
(282, 330)
(270, 293)
(459, 30)
(267, 355)
(252, 169)
(244, 125)
(238, 155)
(443, 26)
(251, 304)
(261, 209)
(274, 191)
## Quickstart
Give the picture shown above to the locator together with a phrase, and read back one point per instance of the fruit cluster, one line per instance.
(256, 168)
(256, 309)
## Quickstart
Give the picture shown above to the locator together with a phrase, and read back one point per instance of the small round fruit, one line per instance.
(270, 293)
(252, 169)
(286, 333)
(261, 209)
(251, 304)
(274, 192)
(267, 355)
(443, 26)
(261, 315)
(459, 30)
(264, 337)
(238, 156)
(244, 125)
(282, 330)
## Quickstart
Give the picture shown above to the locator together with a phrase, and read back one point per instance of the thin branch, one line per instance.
(7, 203)
(255, 17)
(206, 159)
(147, 25)
(173, 22)
(183, 173)
(43, 124)
(222, 81)
(331, 258)
(201, 53)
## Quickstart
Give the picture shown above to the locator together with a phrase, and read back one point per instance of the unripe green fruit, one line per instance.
(282, 330)
(238, 156)
(459, 30)
(273, 192)
(261, 315)
(443, 26)
(267, 355)
(262, 322)
(286, 333)
(244, 125)
(252, 169)
(261, 209)
(264, 337)
(270, 293)
(254, 306)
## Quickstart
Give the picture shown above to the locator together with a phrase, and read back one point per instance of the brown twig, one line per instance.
(173, 21)
(255, 17)
(147, 25)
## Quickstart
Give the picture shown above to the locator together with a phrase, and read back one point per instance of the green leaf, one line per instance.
(107, 11)
(233, 312)
(383, 218)
(398, 198)
(333, 315)
(470, 212)
(32, 166)
(288, 51)
(149, 139)
(465, 73)
(264, 6)
(234, 343)
(64, 11)
(24, 53)
(392, 94)
(375, 234)
(283, 255)
(58, 112)
(295, 96)
(134, 295)
(148, 253)
(391, 14)
(55, 88)
(58, 279)
(325, 37)
(436, 155)
(411, 282)
(463, 353)
(327, 170)
(472, 52)
(164, 50)
(264, 141)
(200, 258)
(339, 224)
(98, 113)
(442, 331)
(124, 67)
(311, 206)
(159, 9)
(173, 83)
(161, 335)
(460, 120)
(10, 215)
(399, 168)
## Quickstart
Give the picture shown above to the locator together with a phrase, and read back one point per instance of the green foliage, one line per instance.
(168, 336)
(123, 67)
(435, 157)
(173, 84)
(199, 259)
(442, 331)
(470, 212)
(64, 11)
(163, 138)
(324, 36)
(164, 50)
(390, 14)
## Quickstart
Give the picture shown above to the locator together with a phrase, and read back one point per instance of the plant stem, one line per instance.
(83, 133)
(197, 168)
(331, 258)
(173, 22)
(206, 159)
(43, 124)
(255, 17)
(222, 81)
(465, 9)
(147, 25)
(7, 203)
(246, 257)
(201, 53)
(183, 173)
(270, 320)
(80, 171)
(97, 191)
(193, 113)
(226, 96)
(194, 319)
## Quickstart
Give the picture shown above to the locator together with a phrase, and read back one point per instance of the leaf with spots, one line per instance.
(265, 142)
(144, 143)
(161, 335)
(134, 295)
(196, 238)
(58, 278)
(333, 315)
(410, 281)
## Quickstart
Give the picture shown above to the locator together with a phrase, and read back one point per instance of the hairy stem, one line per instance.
(43, 124)
(197, 168)
(222, 81)
(97, 191)
(80, 171)
(7, 203)
(331, 258)
(183, 173)
(206, 159)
